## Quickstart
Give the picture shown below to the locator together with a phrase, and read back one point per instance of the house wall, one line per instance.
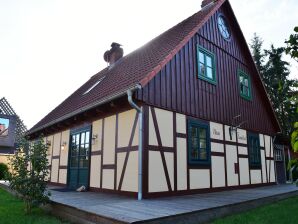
(170, 173)
(113, 153)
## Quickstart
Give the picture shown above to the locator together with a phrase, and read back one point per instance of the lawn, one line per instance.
(12, 212)
(285, 211)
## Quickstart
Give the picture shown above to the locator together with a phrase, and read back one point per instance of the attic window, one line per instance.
(223, 27)
(245, 86)
(94, 85)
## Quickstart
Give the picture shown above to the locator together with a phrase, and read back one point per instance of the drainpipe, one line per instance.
(140, 147)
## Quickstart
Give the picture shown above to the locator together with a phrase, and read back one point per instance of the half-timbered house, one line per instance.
(185, 113)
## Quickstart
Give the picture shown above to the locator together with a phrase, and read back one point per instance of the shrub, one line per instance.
(3, 171)
(30, 170)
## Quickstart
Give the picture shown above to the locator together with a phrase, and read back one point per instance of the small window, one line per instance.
(198, 143)
(94, 85)
(244, 84)
(254, 150)
(278, 155)
(206, 65)
(223, 27)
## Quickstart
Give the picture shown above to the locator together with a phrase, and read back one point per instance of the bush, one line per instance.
(30, 170)
(3, 171)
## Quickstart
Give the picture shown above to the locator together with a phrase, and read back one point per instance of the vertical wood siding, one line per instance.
(177, 87)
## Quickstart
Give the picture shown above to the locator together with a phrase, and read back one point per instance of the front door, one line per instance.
(78, 173)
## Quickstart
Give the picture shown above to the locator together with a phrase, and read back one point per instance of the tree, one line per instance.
(280, 88)
(30, 170)
(294, 138)
(292, 45)
(256, 50)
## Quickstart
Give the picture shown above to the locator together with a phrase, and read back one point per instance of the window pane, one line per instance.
(202, 69)
(203, 154)
(202, 143)
(246, 82)
(77, 139)
(201, 57)
(87, 137)
(203, 133)
(209, 73)
(84, 162)
(74, 162)
(208, 61)
(82, 138)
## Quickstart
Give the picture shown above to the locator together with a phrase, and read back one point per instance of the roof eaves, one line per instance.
(154, 72)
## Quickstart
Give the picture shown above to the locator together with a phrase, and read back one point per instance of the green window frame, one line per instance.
(199, 152)
(206, 65)
(244, 85)
(254, 150)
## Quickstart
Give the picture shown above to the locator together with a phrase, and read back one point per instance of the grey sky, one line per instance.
(48, 48)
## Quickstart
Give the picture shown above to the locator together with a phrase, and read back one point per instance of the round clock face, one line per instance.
(223, 27)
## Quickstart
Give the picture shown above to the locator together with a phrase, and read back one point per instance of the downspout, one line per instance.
(140, 147)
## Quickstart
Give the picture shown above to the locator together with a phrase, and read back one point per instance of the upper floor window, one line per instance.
(206, 65)
(198, 143)
(254, 150)
(223, 27)
(244, 83)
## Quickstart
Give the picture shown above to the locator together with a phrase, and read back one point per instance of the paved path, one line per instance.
(130, 210)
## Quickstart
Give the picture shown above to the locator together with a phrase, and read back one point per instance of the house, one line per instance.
(12, 129)
(185, 113)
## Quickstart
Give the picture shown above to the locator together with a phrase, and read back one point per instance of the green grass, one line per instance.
(12, 212)
(285, 211)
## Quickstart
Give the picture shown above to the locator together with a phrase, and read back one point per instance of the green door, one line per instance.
(78, 171)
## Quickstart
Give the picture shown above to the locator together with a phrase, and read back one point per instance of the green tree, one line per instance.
(294, 138)
(292, 45)
(257, 53)
(30, 170)
(280, 88)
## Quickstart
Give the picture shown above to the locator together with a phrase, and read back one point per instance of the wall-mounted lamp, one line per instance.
(94, 136)
(63, 145)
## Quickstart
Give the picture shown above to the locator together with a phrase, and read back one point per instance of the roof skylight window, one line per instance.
(94, 85)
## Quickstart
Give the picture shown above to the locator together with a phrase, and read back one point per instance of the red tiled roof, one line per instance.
(138, 67)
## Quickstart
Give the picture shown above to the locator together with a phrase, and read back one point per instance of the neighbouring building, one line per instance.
(12, 129)
(185, 113)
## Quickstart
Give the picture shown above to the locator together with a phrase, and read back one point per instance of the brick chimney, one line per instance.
(114, 54)
(206, 2)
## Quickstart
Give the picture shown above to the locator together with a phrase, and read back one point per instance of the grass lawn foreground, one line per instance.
(12, 212)
(285, 211)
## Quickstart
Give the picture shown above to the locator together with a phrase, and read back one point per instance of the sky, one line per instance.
(49, 48)
(4, 121)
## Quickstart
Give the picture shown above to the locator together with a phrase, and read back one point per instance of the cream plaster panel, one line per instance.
(181, 164)
(199, 179)
(54, 171)
(130, 180)
(125, 125)
(217, 147)
(50, 147)
(62, 176)
(57, 144)
(108, 179)
(157, 178)
(180, 123)
(272, 172)
(165, 125)
(218, 171)
(95, 171)
(169, 157)
(241, 136)
(244, 171)
(97, 130)
(242, 150)
(271, 155)
(216, 131)
(4, 159)
(267, 145)
(263, 166)
(120, 163)
(231, 154)
(109, 140)
(256, 176)
(227, 134)
(261, 136)
(152, 133)
(64, 152)
(135, 140)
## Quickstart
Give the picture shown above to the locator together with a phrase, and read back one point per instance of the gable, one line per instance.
(177, 86)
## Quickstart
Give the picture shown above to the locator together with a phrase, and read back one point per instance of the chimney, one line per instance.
(114, 54)
(206, 2)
